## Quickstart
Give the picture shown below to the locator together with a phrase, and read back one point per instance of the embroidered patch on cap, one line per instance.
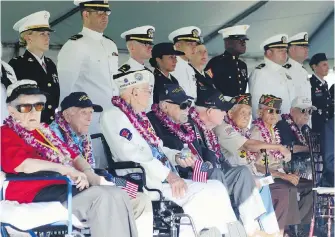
(126, 134)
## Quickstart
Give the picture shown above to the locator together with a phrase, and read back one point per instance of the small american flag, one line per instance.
(129, 187)
(200, 171)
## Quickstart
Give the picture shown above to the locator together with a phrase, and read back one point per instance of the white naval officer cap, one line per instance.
(302, 102)
(277, 41)
(300, 39)
(38, 21)
(131, 78)
(142, 34)
(101, 5)
(238, 32)
(188, 33)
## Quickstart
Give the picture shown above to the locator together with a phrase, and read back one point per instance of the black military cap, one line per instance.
(244, 99)
(96, 5)
(23, 87)
(212, 98)
(270, 101)
(79, 99)
(173, 92)
(316, 58)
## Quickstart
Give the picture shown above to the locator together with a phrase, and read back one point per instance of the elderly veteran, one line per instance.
(71, 126)
(28, 146)
(240, 149)
(133, 138)
(176, 126)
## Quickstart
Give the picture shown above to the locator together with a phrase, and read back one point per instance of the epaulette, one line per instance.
(75, 37)
(108, 38)
(124, 68)
(287, 66)
(260, 66)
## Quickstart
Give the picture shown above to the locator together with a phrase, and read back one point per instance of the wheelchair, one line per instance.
(166, 214)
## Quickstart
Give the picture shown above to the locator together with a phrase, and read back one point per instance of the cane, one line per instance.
(266, 162)
(306, 131)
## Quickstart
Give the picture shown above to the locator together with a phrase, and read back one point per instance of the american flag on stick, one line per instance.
(200, 171)
(127, 186)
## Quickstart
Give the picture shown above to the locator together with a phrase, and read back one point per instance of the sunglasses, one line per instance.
(184, 105)
(26, 108)
(304, 111)
(271, 111)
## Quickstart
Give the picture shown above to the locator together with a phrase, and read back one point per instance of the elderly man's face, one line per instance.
(216, 116)
(241, 115)
(141, 94)
(174, 111)
(299, 117)
(79, 119)
(30, 120)
(269, 115)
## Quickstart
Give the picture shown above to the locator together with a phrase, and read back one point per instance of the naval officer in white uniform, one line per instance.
(270, 77)
(186, 39)
(87, 62)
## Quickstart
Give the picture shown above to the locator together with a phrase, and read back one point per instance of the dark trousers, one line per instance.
(298, 212)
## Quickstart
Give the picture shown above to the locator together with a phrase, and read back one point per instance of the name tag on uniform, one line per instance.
(266, 181)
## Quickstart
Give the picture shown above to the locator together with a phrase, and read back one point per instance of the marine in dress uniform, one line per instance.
(40, 69)
(128, 144)
(86, 63)
(184, 71)
(271, 77)
(238, 180)
(8, 77)
(228, 71)
(295, 68)
(158, 51)
(145, 36)
(321, 98)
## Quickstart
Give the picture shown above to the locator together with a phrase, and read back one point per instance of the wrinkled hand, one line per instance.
(188, 162)
(292, 178)
(79, 178)
(178, 185)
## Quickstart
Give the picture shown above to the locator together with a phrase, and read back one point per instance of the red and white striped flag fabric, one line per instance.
(127, 186)
(200, 171)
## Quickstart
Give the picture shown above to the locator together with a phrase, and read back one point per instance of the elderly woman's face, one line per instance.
(269, 115)
(241, 115)
(30, 120)
(79, 119)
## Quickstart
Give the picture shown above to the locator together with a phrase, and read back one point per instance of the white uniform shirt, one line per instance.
(185, 75)
(127, 144)
(134, 66)
(273, 79)
(12, 77)
(87, 64)
(300, 79)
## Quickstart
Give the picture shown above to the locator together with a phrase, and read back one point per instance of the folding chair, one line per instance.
(323, 197)
(167, 214)
(57, 228)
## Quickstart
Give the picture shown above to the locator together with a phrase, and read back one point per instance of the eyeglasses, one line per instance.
(271, 111)
(184, 105)
(26, 108)
(304, 111)
(100, 13)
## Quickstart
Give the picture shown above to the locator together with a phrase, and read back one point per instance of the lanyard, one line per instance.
(49, 145)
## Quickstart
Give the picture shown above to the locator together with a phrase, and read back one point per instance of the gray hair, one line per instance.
(15, 102)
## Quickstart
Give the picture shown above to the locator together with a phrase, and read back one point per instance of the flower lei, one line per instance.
(210, 137)
(265, 133)
(69, 136)
(173, 127)
(55, 152)
(251, 156)
(140, 122)
(294, 128)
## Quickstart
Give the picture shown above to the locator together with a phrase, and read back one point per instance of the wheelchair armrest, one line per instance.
(40, 175)
(126, 165)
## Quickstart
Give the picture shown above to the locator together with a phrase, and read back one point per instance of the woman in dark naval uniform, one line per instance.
(34, 33)
(164, 61)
